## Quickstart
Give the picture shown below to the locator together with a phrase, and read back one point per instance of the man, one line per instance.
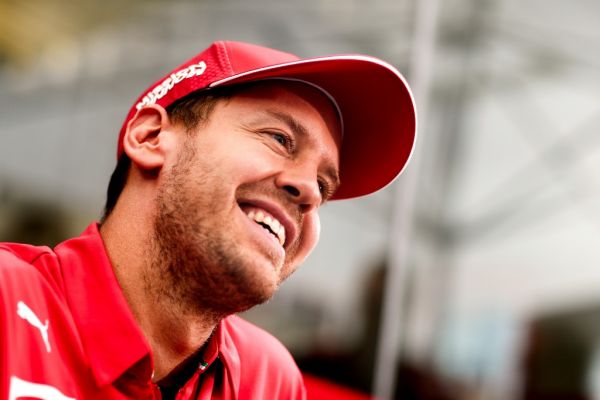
(222, 167)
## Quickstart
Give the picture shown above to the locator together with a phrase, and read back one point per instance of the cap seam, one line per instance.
(226, 55)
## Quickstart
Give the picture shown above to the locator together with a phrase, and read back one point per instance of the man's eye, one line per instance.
(281, 139)
(325, 190)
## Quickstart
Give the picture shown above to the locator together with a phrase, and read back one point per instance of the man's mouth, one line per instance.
(269, 223)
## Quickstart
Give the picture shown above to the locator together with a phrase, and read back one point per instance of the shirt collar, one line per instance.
(111, 337)
(229, 355)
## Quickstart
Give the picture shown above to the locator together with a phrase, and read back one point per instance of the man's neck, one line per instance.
(175, 339)
(175, 334)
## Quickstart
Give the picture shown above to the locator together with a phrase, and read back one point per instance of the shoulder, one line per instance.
(23, 264)
(17, 254)
(266, 367)
(38, 340)
(19, 259)
(27, 272)
(22, 282)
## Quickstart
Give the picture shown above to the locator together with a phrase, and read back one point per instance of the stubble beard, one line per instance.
(198, 266)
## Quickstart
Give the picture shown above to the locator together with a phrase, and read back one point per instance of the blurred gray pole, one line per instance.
(388, 345)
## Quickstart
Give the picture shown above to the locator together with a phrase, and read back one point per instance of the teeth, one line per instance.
(259, 217)
(277, 229)
(281, 235)
(275, 225)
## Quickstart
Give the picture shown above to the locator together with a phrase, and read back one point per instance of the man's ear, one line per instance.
(144, 137)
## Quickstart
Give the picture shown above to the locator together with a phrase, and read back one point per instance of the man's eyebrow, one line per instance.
(295, 125)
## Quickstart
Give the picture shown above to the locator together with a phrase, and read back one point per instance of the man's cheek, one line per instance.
(307, 241)
(317, 227)
(309, 237)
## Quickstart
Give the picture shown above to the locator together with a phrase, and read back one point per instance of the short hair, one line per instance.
(188, 111)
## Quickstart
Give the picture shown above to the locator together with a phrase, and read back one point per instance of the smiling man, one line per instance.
(222, 167)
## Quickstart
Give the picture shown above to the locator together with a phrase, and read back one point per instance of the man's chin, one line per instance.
(257, 300)
(243, 300)
(258, 293)
(240, 291)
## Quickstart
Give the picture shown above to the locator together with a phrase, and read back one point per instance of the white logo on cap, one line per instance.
(160, 90)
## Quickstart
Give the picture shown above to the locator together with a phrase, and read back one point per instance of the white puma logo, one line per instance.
(20, 388)
(28, 315)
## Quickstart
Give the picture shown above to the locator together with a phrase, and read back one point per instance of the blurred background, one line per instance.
(476, 275)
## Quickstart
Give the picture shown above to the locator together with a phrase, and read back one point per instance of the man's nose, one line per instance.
(302, 188)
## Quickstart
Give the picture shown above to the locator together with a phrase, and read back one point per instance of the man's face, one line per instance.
(237, 205)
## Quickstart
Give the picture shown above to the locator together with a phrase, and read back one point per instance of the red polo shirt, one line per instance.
(66, 332)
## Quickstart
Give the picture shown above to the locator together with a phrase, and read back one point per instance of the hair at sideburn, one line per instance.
(189, 111)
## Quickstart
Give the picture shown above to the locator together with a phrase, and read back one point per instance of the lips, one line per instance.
(271, 218)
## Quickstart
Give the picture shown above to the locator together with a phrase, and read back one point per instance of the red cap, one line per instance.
(374, 100)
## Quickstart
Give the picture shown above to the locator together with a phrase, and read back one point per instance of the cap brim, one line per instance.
(377, 109)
